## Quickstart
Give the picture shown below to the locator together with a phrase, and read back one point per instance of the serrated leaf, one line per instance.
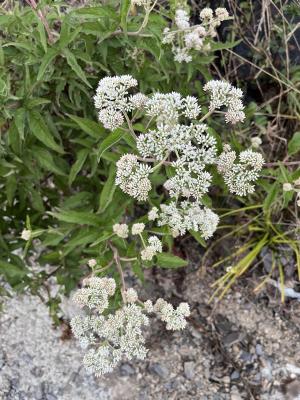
(19, 119)
(46, 60)
(108, 142)
(294, 144)
(168, 260)
(77, 166)
(71, 60)
(40, 130)
(108, 189)
(90, 127)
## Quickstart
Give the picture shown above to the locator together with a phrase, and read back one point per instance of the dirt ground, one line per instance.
(244, 347)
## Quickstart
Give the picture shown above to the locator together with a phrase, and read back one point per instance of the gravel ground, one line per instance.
(241, 348)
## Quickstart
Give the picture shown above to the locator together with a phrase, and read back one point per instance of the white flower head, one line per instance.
(131, 295)
(121, 230)
(112, 99)
(221, 14)
(182, 19)
(132, 177)
(92, 263)
(95, 293)
(287, 187)
(137, 228)
(239, 176)
(256, 142)
(154, 247)
(222, 93)
(111, 118)
(206, 13)
(26, 234)
(148, 306)
(189, 216)
(153, 214)
(174, 318)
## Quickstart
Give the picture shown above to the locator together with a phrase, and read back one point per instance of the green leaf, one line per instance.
(108, 142)
(40, 130)
(46, 160)
(77, 217)
(71, 60)
(81, 238)
(222, 46)
(95, 12)
(271, 197)
(90, 127)
(76, 167)
(108, 189)
(46, 60)
(11, 187)
(13, 273)
(294, 144)
(199, 238)
(37, 201)
(168, 260)
(125, 5)
(20, 121)
(42, 33)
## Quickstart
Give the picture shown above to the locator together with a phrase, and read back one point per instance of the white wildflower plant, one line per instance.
(169, 146)
(110, 338)
(187, 39)
(177, 137)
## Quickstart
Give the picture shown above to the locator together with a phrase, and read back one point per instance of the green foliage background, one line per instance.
(57, 163)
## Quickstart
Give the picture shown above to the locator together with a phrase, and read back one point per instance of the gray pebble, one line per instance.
(189, 369)
(235, 375)
(245, 356)
(259, 349)
(126, 369)
(231, 338)
(50, 396)
(159, 370)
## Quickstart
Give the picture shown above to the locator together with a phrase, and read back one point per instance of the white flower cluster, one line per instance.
(185, 37)
(194, 148)
(113, 337)
(188, 147)
(154, 247)
(168, 107)
(113, 100)
(137, 228)
(121, 230)
(222, 93)
(95, 293)
(132, 177)
(239, 176)
(174, 318)
(188, 216)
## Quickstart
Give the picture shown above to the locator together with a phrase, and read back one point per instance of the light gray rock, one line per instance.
(189, 369)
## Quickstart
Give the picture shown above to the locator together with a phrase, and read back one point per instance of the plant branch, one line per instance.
(43, 19)
(119, 267)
